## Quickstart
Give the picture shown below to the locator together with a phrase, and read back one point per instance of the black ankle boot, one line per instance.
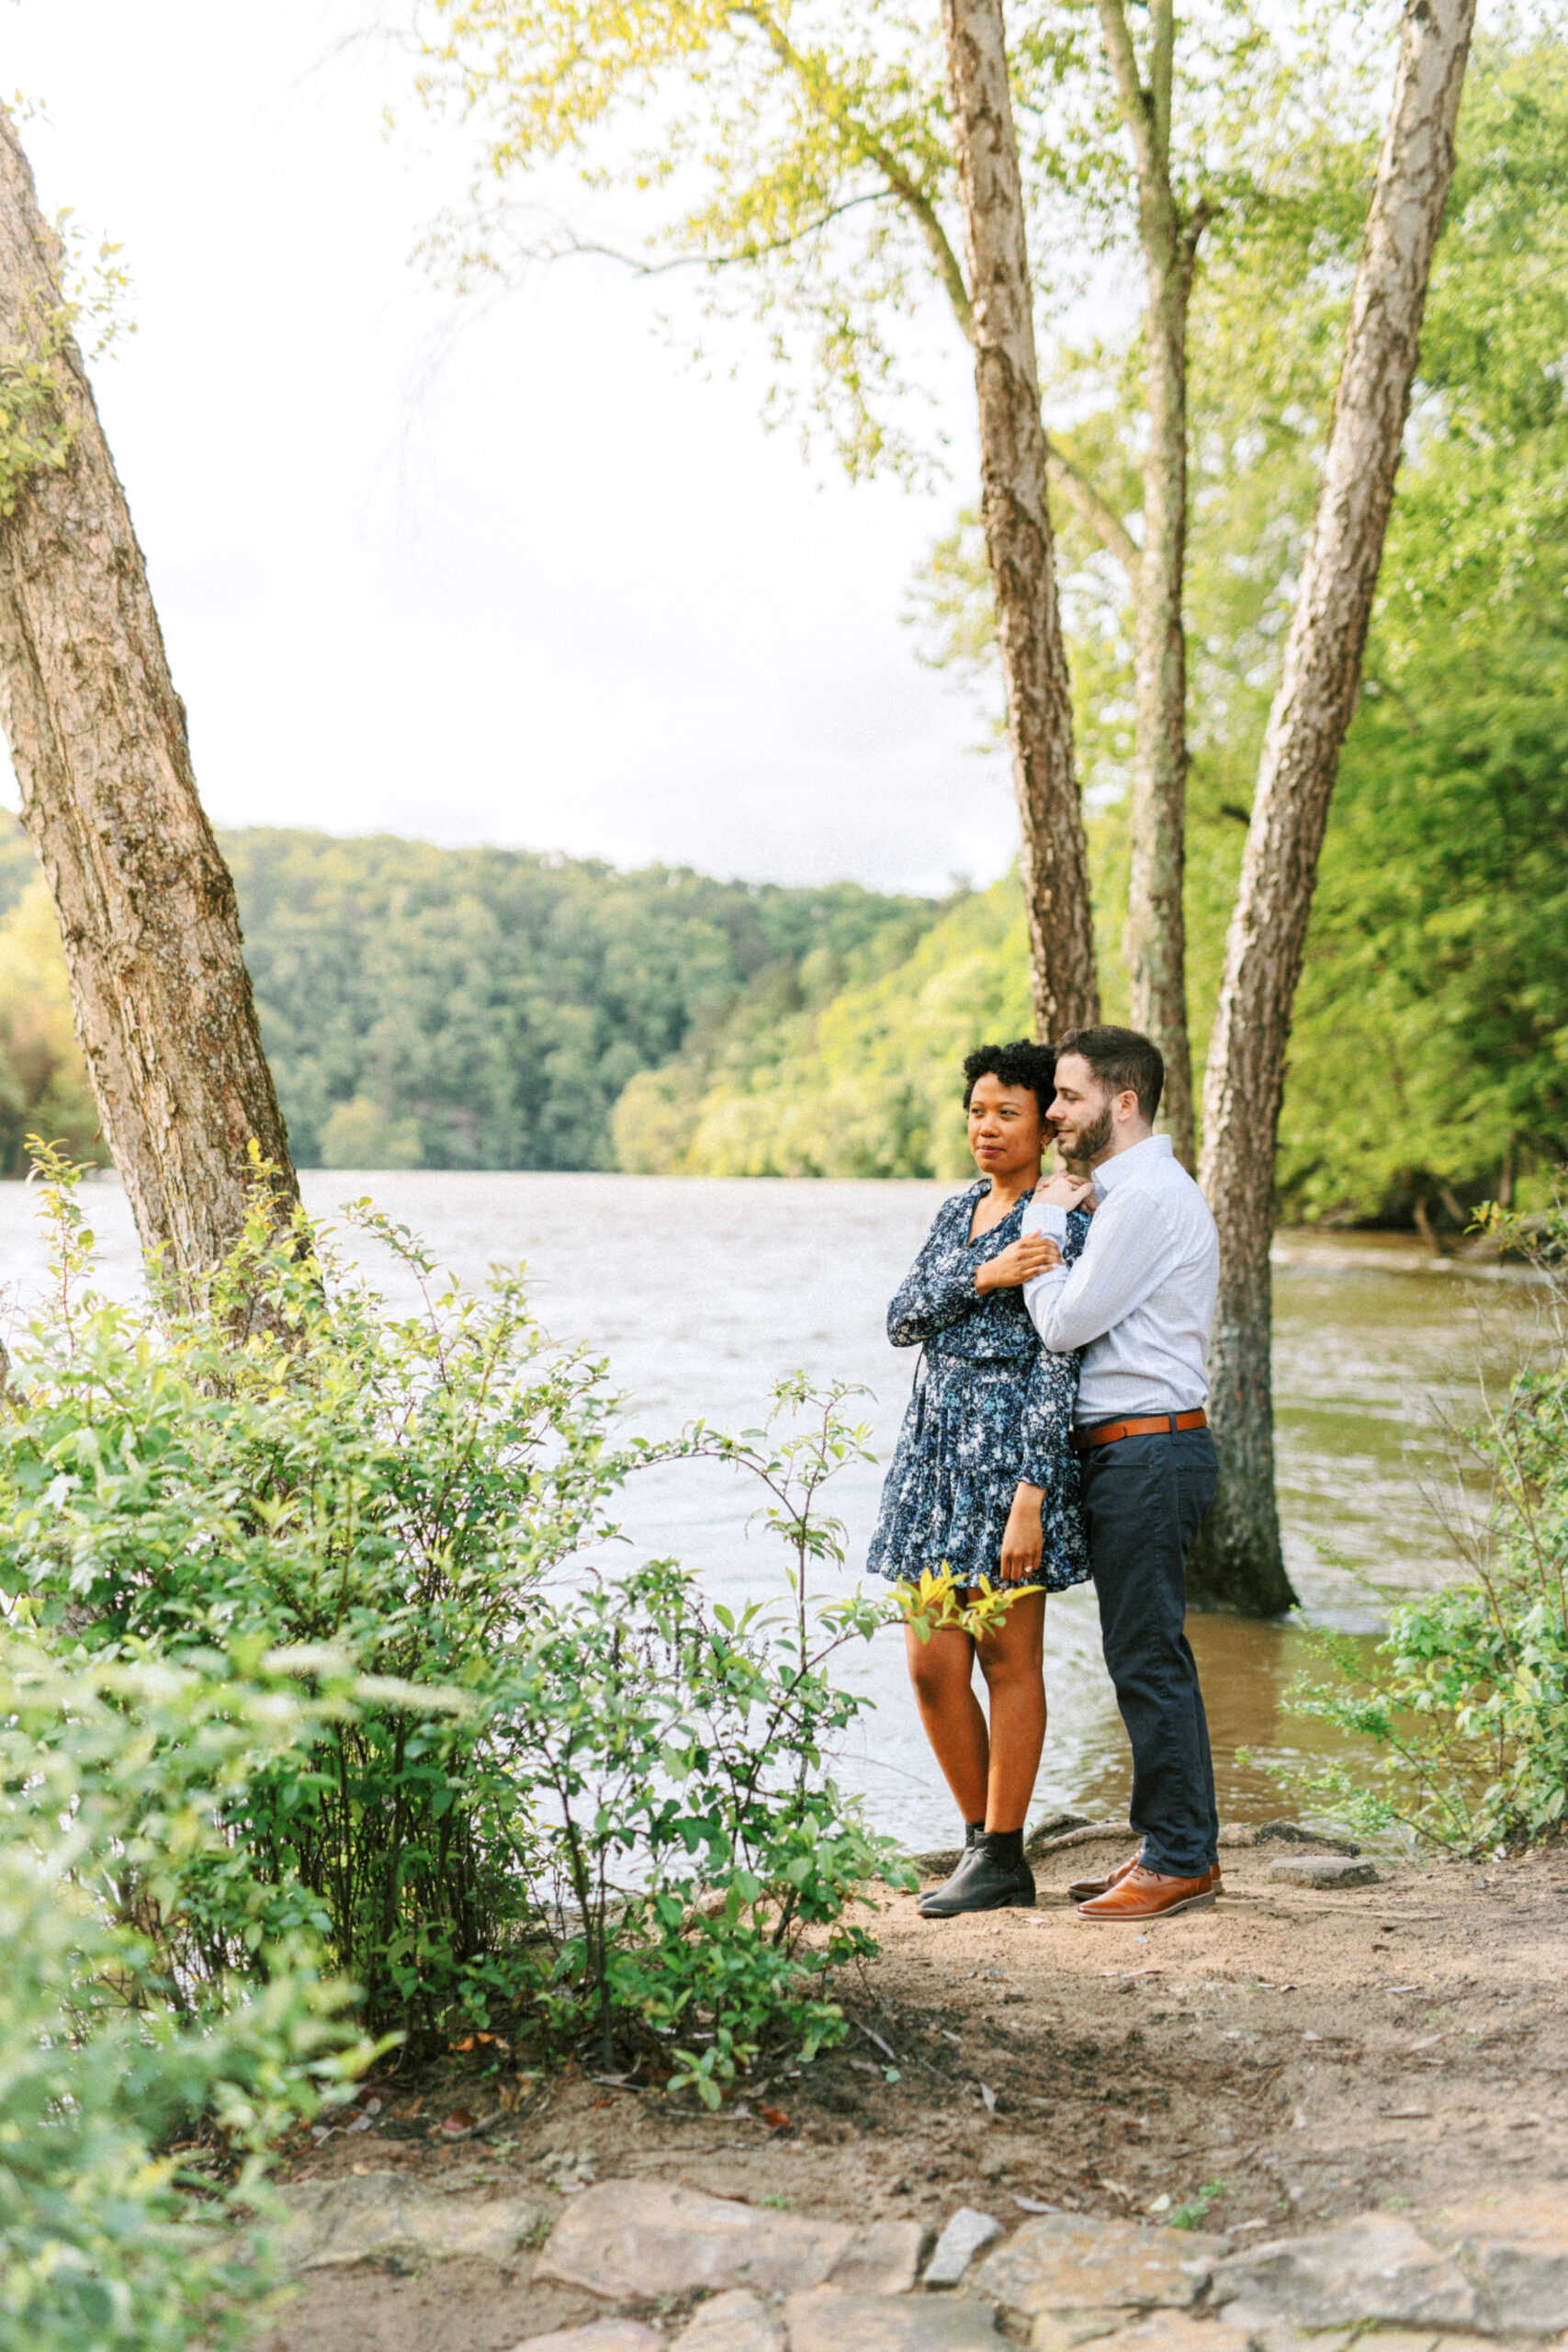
(992, 1876)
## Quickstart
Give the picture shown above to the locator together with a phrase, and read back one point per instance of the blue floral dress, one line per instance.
(991, 1406)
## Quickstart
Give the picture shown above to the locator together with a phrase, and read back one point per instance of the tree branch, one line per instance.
(1108, 528)
(866, 144)
(574, 246)
(1193, 228)
(1162, 73)
(1139, 106)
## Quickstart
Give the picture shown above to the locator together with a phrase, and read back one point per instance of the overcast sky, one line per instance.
(571, 595)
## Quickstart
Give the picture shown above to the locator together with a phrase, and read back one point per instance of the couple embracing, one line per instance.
(1056, 1433)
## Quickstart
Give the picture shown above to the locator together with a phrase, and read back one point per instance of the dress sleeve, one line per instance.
(940, 1287)
(1052, 1390)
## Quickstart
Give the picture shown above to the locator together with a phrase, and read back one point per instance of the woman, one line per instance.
(984, 1481)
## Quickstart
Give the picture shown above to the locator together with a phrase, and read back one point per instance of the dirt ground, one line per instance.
(1287, 2057)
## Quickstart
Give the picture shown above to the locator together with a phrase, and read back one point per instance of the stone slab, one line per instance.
(599, 2336)
(1515, 2249)
(967, 2233)
(737, 2321)
(1322, 1870)
(1375, 2268)
(1069, 2262)
(1266, 2331)
(333, 2222)
(626, 2238)
(1064, 2331)
(1177, 2332)
(826, 2321)
(881, 2258)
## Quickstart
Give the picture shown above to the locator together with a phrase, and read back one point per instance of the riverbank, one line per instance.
(1297, 2055)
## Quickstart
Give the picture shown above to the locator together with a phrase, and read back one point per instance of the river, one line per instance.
(701, 1291)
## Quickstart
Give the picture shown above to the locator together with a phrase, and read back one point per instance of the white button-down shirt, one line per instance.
(1141, 1298)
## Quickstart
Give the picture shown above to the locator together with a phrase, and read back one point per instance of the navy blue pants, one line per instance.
(1144, 1500)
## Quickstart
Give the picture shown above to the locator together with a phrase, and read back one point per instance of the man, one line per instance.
(1139, 1303)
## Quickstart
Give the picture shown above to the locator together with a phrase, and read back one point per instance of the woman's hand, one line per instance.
(1068, 1191)
(1023, 1540)
(1019, 1262)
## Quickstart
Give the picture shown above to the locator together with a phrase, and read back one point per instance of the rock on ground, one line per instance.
(1376, 2267)
(1515, 2246)
(825, 2322)
(1322, 1871)
(1069, 2263)
(599, 2336)
(737, 2321)
(628, 2238)
(1166, 2332)
(960, 2241)
(378, 2215)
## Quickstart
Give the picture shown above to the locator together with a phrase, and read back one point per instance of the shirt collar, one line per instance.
(1123, 1164)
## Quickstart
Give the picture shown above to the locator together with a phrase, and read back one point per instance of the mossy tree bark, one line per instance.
(98, 735)
(1014, 464)
(1239, 1563)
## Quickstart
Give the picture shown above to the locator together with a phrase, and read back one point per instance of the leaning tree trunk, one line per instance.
(1013, 460)
(1156, 931)
(1239, 1563)
(98, 735)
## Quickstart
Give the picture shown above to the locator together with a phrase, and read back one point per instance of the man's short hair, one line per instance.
(1120, 1059)
(1023, 1063)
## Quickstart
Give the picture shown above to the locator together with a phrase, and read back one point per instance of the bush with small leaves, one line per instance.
(590, 1802)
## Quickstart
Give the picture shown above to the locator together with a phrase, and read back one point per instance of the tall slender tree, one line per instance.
(1169, 234)
(97, 734)
(1016, 512)
(1240, 1554)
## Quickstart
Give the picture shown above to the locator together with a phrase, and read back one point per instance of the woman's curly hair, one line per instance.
(1023, 1063)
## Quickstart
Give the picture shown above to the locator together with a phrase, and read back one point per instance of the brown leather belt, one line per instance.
(1149, 1425)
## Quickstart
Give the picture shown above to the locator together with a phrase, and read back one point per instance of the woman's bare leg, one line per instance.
(943, 1671)
(1012, 1660)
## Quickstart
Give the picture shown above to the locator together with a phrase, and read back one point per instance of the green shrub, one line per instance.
(593, 1803)
(112, 1777)
(1467, 1696)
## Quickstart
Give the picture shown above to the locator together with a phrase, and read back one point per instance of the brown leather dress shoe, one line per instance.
(1083, 1890)
(1144, 1894)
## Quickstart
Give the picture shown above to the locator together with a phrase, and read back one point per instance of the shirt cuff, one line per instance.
(1049, 1217)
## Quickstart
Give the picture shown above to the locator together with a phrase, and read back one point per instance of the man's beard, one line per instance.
(1091, 1139)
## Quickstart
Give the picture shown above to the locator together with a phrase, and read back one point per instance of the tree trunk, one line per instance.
(1239, 1563)
(98, 735)
(1157, 931)
(1013, 461)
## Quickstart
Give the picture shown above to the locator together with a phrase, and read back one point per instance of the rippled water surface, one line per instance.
(701, 1291)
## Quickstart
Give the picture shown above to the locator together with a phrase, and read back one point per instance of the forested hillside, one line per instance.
(427, 1008)
(487, 1007)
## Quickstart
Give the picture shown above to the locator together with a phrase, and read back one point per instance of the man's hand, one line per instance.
(1019, 1262)
(1023, 1540)
(1068, 1191)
